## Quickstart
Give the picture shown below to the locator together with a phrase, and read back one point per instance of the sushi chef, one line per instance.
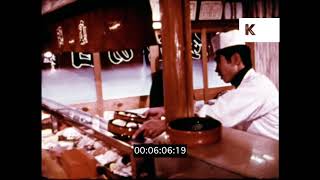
(252, 106)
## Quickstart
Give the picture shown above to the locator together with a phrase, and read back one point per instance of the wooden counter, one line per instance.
(242, 153)
(238, 152)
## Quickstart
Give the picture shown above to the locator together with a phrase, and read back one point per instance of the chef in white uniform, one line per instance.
(252, 106)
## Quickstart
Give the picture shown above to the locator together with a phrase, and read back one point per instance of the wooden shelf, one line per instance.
(215, 25)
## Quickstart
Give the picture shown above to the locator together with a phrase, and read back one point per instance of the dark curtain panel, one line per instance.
(96, 26)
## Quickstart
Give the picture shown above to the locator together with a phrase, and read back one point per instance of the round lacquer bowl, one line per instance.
(194, 131)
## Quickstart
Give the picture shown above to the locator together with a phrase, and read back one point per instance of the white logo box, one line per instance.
(265, 29)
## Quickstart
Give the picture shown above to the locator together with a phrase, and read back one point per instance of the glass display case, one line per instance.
(67, 129)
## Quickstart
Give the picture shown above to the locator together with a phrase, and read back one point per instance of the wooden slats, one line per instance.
(252, 48)
(97, 76)
(121, 104)
(204, 63)
(211, 92)
(215, 25)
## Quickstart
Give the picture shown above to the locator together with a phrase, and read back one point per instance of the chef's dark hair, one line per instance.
(243, 50)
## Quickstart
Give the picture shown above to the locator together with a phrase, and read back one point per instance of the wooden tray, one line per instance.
(123, 131)
(129, 116)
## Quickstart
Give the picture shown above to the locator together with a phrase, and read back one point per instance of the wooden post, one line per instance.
(204, 64)
(176, 44)
(97, 77)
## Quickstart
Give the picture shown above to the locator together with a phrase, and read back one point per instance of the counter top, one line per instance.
(238, 152)
(242, 153)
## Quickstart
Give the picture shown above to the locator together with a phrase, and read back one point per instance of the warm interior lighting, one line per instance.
(49, 57)
(156, 25)
(268, 157)
(114, 26)
(155, 7)
(257, 159)
(48, 54)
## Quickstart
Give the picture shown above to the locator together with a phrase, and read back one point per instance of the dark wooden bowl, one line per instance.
(194, 131)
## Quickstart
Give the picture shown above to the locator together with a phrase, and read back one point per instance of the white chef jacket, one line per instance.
(253, 106)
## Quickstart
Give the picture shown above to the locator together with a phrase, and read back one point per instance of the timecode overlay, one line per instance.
(160, 150)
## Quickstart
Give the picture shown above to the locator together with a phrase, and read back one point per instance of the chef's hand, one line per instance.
(202, 111)
(151, 128)
(154, 113)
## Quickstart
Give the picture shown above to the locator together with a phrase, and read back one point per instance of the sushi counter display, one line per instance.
(81, 156)
(79, 145)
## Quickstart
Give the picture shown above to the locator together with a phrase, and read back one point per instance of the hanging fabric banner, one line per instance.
(95, 26)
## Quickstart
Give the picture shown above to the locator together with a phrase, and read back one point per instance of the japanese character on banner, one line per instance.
(196, 47)
(81, 59)
(60, 36)
(83, 37)
(117, 57)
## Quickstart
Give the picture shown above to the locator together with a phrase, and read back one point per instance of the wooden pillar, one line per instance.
(176, 45)
(204, 64)
(97, 77)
